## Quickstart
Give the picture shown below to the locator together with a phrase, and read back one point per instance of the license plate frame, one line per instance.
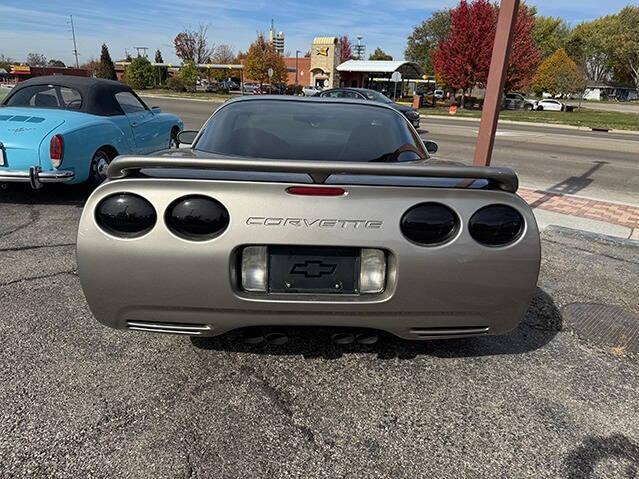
(314, 270)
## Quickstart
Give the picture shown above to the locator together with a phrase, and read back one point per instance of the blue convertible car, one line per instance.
(68, 129)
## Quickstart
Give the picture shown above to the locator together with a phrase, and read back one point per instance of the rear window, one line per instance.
(46, 96)
(296, 130)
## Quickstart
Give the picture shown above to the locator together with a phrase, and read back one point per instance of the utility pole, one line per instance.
(506, 21)
(144, 50)
(75, 46)
(297, 53)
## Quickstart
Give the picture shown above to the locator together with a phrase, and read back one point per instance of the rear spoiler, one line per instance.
(503, 179)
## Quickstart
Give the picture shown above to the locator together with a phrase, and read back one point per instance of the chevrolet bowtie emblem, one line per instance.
(322, 51)
(313, 269)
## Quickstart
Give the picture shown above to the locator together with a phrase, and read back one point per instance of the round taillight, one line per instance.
(125, 215)
(496, 225)
(430, 224)
(197, 217)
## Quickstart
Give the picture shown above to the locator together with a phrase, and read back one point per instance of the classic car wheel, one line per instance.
(99, 165)
(173, 142)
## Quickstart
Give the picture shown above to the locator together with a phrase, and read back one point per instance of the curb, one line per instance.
(530, 123)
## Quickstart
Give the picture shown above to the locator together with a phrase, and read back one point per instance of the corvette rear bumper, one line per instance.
(35, 176)
(425, 325)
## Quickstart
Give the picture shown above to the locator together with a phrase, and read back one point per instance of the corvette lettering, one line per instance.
(313, 222)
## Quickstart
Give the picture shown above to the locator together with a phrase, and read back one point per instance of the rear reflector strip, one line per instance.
(315, 191)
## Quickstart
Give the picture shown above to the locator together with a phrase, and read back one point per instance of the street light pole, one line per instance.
(297, 52)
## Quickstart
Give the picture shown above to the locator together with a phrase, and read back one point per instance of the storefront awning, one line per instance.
(409, 70)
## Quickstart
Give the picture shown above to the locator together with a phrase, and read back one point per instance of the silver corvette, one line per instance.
(306, 211)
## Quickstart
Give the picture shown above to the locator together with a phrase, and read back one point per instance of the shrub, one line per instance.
(140, 74)
(189, 74)
(175, 83)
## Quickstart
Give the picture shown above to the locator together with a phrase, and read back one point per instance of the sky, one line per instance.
(42, 26)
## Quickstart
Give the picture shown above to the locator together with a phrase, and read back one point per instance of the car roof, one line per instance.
(350, 88)
(98, 94)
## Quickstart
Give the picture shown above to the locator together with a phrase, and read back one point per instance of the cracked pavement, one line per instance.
(80, 400)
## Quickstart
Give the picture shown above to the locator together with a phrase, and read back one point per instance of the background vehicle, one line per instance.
(439, 94)
(517, 101)
(249, 87)
(550, 105)
(372, 95)
(68, 129)
(311, 90)
(229, 85)
(307, 211)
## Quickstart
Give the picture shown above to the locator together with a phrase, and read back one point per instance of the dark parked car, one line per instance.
(366, 94)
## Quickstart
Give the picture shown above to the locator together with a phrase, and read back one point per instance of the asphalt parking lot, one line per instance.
(80, 400)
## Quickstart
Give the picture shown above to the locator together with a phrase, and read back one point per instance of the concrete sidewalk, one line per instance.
(587, 214)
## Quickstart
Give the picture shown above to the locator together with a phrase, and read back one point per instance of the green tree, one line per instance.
(140, 73)
(56, 63)
(106, 69)
(260, 57)
(189, 74)
(626, 45)
(379, 54)
(6, 62)
(426, 37)
(591, 44)
(558, 74)
(550, 34)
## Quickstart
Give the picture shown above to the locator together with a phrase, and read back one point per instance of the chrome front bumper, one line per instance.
(35, 176)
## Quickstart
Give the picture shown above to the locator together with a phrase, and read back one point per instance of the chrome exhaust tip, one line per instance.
(342, 338)
(276, 339)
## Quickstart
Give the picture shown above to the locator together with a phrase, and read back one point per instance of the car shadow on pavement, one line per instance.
(540, 325)
(597, 454)
(22, 194)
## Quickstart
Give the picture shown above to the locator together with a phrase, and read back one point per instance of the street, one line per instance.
(599, 165)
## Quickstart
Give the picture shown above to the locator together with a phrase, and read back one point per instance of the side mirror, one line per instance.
(186, 137)
(431, 147)
(156, 109)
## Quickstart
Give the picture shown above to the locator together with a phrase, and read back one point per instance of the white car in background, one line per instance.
(310, 90)
(550, 105)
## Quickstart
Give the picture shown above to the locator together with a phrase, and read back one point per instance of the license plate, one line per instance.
(314, 270)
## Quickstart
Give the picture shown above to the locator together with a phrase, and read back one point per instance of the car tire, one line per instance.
(528, 107)
(174, 143)
(540, 108)
(98, 167)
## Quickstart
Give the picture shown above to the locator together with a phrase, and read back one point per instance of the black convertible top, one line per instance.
(98, 95)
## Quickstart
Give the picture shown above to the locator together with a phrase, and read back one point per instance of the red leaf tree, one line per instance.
(345, 49)
(463, 59)
(524, 57)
